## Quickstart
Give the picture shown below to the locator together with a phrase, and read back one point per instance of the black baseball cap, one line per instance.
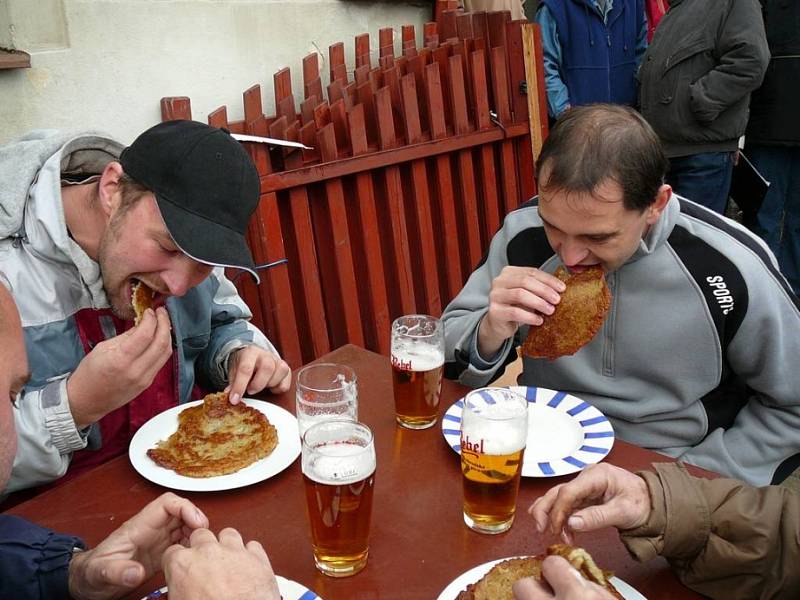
(205, 185)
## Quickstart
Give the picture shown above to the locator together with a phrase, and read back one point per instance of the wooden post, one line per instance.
(534, 76)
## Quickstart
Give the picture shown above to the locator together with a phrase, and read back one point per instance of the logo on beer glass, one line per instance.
(417, 365)
(494, 432)
(339, 478)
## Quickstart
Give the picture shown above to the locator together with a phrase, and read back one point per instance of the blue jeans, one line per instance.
(704, 178)
(778, 221)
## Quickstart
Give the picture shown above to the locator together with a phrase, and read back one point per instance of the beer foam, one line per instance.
(420, 356)
(498, 437)
(339, 463)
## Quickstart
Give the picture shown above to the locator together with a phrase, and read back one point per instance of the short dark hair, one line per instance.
(132, 191)
(593, 143)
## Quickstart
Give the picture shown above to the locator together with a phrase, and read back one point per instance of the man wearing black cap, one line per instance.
(82, 221)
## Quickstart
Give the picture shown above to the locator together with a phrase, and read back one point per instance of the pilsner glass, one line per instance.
(494, 431)
(339, 477)
(325, 391)
(417, 365)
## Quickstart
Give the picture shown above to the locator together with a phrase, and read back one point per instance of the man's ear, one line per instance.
(656, 208)
(109, 189)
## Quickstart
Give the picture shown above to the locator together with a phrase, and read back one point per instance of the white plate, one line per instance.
(290, 590)
(163, 425)
(456, 586)
(565, 433)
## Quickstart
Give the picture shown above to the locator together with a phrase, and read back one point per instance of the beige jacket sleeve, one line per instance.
(724, 538)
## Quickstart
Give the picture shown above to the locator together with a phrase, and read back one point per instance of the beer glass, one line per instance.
(417, 364)
(339, 476)
(325, 391)
(494, 430)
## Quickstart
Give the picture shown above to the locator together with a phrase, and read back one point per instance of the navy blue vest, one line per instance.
(598, 59)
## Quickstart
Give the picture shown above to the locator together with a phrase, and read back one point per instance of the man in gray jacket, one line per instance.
(695, 83)
(82, 220)
(697, 356)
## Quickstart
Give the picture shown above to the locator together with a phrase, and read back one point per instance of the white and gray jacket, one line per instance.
(52, 278)
(698, 357)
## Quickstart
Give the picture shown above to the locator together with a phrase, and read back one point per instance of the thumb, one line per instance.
(591, 518)
(122, 573)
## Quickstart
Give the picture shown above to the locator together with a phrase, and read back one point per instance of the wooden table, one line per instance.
(418, 542)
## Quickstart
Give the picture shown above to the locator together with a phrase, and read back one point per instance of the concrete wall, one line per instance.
(105, 64)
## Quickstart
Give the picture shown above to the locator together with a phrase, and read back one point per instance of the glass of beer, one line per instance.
(339, 476)
(417, 364)
(325, 391)
(494, 431)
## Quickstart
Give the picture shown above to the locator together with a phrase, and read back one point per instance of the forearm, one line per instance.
(46, 437)
(724, 538)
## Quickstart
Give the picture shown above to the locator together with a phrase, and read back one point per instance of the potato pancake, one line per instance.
(496, 584)
(216, 438)
(141, 299)
(576, 319)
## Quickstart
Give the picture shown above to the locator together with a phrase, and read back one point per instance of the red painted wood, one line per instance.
(336, 258)
(386, 41)
(338, 114)
(386, 131)
(361, 74)
(516, 67)
(362, 50)
(310, 69)
(464, 26)
(175, 108)
(377, 160)
(408, 36)
(251, 99)
(368, 246)
(458, 96)
(282, 84)
(336, 58)
(365, 96)
(447, 25)
(307, 107)
(308, 135)
(322, 115)
(286, 108)
(218, 117)
(430, 34)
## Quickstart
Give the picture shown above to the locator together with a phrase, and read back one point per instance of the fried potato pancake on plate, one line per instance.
(576, 319)
(141, 299)
(216, 438)
(496, 584)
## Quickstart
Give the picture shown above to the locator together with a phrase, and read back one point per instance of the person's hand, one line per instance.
(601, 496)
(252, 369)
(119, 369)
(566, 584)
(133, 553)
(209, 569)
(519, 295)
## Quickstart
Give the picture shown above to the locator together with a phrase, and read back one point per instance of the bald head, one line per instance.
(13, 375)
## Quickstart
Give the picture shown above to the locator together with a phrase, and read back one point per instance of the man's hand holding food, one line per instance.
(252, 369)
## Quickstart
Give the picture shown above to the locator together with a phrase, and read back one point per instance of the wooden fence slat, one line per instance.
(338, 113)
(408, 36)
(508, 164)
(458, 95)
(365, 96)
(311, 74)
(336, 58)
(252, 103)
(218, 117)
(464, 26)
(322, 116)
(447, 25)
(386, 41)
(308, 136)
(361, 74)
(282, 84)
(362, 50)
(429, 33)
(341, 287)
(307, 107)
(434, 97)
(174, 108)
(286, 108)
(516, 66)
(369, 245)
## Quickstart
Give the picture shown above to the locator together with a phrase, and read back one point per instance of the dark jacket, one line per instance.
(724, 538)
(706, 57)
(598, 59)
(774, 118)
(34, 561)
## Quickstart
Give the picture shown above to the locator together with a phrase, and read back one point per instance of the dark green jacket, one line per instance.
(705, 59)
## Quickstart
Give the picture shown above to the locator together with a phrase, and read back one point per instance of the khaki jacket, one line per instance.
(723, 538)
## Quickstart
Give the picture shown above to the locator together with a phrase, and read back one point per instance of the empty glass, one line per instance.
(325, 391)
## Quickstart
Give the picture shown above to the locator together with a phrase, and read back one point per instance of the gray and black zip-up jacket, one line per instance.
(696, 77)
(698, 357)
(52, 278)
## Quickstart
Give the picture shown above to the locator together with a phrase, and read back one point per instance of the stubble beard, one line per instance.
(120, 305)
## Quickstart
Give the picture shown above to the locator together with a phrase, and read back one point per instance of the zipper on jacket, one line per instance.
(609, 326)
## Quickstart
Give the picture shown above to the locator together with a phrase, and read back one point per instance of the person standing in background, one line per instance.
(695, 84)
(772, 140)
(592, 49)
(655, 10)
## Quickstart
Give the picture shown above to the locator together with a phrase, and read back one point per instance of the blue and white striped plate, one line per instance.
(290, 590)
(565, 433)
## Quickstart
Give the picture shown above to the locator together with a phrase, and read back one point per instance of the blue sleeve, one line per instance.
(641, 40)
(557, 92)
(34, 561)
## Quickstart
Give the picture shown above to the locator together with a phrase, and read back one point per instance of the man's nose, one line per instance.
(185, 275)
(572, 251)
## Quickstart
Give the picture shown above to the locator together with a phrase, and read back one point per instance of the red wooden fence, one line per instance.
(415, 160)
